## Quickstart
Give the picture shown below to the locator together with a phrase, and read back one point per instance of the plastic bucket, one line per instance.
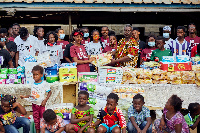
(51, 79)
(52, 70)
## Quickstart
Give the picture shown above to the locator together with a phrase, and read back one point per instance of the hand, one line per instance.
(143, 131)
(92, 125)
(162, 125)
(22, 97)
(91, 59)
(139, 131)
(113, 61)
(86, 118)
(43, 103)
(14, 105)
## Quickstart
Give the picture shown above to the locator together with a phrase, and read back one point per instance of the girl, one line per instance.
(146, 53)
(39, 33)
(55, 51)
(82, 115)
(78, 52)
(113, 43)
(8, 115)
(95, 47)
(172, 120)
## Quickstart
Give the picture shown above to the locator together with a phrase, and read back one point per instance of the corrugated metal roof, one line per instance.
(112, 1)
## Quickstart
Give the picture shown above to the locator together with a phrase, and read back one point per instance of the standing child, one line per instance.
(39, 34)
(8, 115)
(139, 116)
(172, 120)
(161, 51)
(82, 115)
(51, 123)
(110, 118)
(38, 90)
(193, 118)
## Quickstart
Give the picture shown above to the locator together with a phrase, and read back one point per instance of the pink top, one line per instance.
(108, 48)
(63, 43)
(80, 53)
(193, 41)
(147, 53)
(85, 41)
(106, 41)
(52, 128)
(11, 39)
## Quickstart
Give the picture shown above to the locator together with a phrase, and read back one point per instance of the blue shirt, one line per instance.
(139, 117)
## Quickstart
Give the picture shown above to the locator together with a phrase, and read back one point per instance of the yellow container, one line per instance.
(68, 74)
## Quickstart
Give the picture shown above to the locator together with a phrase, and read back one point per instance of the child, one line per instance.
(82, 115)
(78, 53)
(37, 96)
(111, 118)
(95, 47)
(51, 123)
(113, 43)
(172, 120)
(193, 118)
(8, 115)
(139, 116)
(39, 33)
(151, 46)
(161, 51)
(55, 51)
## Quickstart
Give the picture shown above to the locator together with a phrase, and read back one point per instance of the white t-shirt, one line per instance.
(168, 43)
(94, 48)
(38, 91)
(41, 46)
(55, 52)
(28, 47)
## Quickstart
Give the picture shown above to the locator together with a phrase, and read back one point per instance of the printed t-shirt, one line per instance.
(193, 41)
(189, 119)
(80, 53)
(52, 128)
(194, 51)
(38, 91)
(158, 53)
(146, 53)
(28, 47)
(94, 48)
(6, 56)
(105, 41)
(8, 118)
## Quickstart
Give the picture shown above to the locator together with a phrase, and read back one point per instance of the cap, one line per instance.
(167, 28)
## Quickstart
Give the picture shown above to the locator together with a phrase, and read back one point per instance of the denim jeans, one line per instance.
(132, 129)
(19, 122)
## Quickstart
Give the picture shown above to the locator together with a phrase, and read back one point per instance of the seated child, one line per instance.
(161, 51)
(139, 116)
(38, 99)
(110, 118)
(8, 115)
(193, 118)
(82, 115)
(172, 120)
(51, 123)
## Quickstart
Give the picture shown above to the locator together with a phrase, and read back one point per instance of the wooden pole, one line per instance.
(70, 25)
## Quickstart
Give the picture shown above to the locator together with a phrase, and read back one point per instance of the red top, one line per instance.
(108, 48)
(146, 53)
(193, 41)
(194, 51)
(11, 39)
(63, 43)
(80, 53)
(106, 41)
(85, 41)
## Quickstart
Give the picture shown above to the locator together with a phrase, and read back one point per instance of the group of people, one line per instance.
(128, 51)
(110, 119)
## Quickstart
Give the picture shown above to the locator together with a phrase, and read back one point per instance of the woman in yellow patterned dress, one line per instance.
(82, 116)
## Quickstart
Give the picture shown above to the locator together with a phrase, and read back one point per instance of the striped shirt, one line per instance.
(180, 49)
(168, 43)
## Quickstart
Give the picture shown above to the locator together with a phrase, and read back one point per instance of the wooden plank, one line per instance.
(147, 1)
(58, 0)
(108, 1)
(99, 1)
(70, 93)
(118, 1)
(2, 0)
(167, 1)
(38, 0)
(68, 0)
(28, 1)
(127, 1)
(195, 1)
(137, 1)
(157, 1)
(18, 0)
(76, 94)
(186, 1)
(89, 1)
(78, 1)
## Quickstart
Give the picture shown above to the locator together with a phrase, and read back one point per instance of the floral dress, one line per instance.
(170, 124)
(81, 114)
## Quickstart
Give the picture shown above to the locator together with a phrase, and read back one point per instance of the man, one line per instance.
(86, 36)
(127, 50)
(10, 46)
(166, 35)
(61, 35)
(15, 29)
(193, 39)
(105, 37)
(142, 44)
(26, 45)
(180, 46)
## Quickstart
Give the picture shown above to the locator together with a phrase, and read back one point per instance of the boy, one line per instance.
(193, 118)
(161, 51)
(111, 118)
(139, 116)
(37, 96)
(105, 37)
(51, 123)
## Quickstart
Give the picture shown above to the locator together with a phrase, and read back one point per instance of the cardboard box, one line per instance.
(68, 74)
(110, 71)
(87, 77)
(105, 80)
(176, 66)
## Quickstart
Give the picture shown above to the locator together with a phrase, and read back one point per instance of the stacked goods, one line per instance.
(68, 73)
(174, 77)
(150, 65)
(110, 75)
(101, 59)
(197, 81)
(188, 77)
(87, 77)
(129, 76)
(144, 76)
(159, 76)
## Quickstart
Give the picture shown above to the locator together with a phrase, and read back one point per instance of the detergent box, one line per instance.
(87, 77)
(68, 74)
